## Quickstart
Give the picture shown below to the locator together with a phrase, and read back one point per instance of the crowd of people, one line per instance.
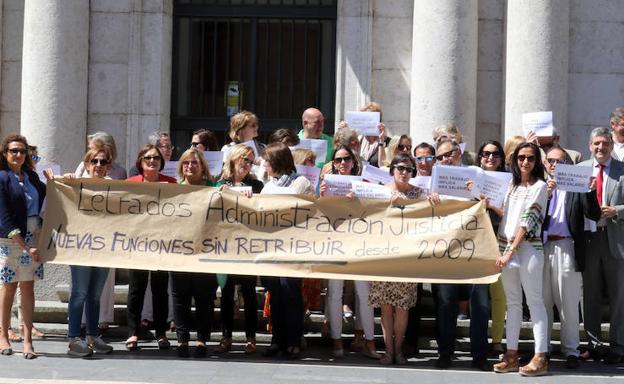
(558, 249)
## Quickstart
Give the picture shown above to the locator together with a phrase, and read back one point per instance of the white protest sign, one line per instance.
(241, 188)
(375, 175)
(339, 185)
(422, 182)
(493, 185)
(273, 189)
(43, 166)
(541, 123)
(573, 178)
(370, 191)
(313, 174)
(170, 169)
(364, 122)
(319, 147)
(451, 181)
(215, 161)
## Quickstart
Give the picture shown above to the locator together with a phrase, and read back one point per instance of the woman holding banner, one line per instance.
(21, 198)
(344, 163)
(285, 292)
(522, 258)
(149, 163)
(237, 173)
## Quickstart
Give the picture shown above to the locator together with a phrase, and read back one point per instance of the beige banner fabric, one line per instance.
(172, 227)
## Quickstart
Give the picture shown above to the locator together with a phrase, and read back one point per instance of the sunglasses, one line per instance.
(487, 154)
(403, 147)
(424, 159)
(186, 163)
(402, 168)
(446, 155)
(148, 158)
(553, 161)
(16, 151)
(100, 162)
(346, 159)
(530, 158)
(193, 144)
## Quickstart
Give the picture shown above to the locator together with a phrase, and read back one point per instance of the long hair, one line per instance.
(280, 158)
(355, 170)
(538, 170)
(499, 148)
(14, 137)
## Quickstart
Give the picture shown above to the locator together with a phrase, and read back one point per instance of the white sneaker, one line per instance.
(99, 346)
(79, 348)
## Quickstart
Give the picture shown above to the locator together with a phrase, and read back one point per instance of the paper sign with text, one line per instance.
(311, 173)
(365, 123)
(339, 185)
(540, 123)
(492, 184)
(376, 175)
(573, 178)
(319, 147)
(365, 190)
(451, 181)
(422, 182)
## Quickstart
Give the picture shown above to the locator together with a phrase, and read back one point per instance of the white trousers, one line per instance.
(528, 275)
(363, 310)
(562, 288)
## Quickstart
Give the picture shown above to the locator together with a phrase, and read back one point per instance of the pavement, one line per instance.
(315, 365)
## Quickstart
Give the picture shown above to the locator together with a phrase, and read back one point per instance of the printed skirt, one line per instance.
(15, 263)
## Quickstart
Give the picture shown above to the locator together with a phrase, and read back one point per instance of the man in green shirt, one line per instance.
(312, 121)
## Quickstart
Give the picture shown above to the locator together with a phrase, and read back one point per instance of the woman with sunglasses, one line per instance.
(395, 299)
(204, 140)
(87, 282)
(343, 163)
(188, 286)
(237, 173)
(522, 258)
(397, 145)
(21, 198)
(149, 163)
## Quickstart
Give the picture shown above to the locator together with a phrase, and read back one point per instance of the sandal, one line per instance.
(538, 366)
(509, 363)
(37, 333)
(250, 347)
(225, 345)
(132, 344)
(15, 337)
(387, 359)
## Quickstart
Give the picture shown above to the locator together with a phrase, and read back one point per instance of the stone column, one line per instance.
(536, 62)
(444, 68)
(55, 79)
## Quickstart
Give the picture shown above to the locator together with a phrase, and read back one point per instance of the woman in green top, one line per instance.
(193, 169)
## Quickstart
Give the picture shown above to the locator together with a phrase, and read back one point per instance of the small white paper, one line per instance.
(339, 185)
(541, 123)
(43, 166)
(376, 175)
(492, 184)
(451, 181)
(170, 169)
(462, 147)
(311, 173)
(573, 178)
(215, 161)
(422, 182)
(272, 189)
(365, 123)
(319, 147)
(240, 188)
(365, 190)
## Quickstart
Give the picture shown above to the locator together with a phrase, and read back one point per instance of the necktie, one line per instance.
(599, 180)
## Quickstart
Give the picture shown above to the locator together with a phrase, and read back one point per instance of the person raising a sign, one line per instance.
(522, 259)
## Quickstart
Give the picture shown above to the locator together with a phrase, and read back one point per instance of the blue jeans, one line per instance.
(447, 318)
(86, 289)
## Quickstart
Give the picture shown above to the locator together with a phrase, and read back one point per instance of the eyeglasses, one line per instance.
(553, 161)
(18, 151)
(530, 158)
(100, 162)
(148, 158)
(346, 159)
(487, 154)
(404, 147)
(247, 161)
(193, 144)
(424, 159)
(402, 168)
(165, 147)
(446, 155)
(186, 163)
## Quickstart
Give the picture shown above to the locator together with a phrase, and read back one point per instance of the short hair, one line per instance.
(154, 137)
(303, 155)
(538, 170)
(427, 146)
(402, 158)
(453, 143)
(284, 135)
(107, 139)
(279, 158)
(617, 115)
(600, 131)
(393, 145)
(229, 167)
(510, 146)
(448, 129)
(558, 147)
(202, 161)
(146, 148)
(14, 137)
(91, 153)
(345, 136)
(355, 170)
(208, 139)
(238, 122)
(499, 148)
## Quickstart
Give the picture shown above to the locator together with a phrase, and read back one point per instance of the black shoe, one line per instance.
(612, 358)
(272, 351)
(183, 350)
(482, 364)
(443, 362)
(200, 351)
(292, 353)
(572, 362)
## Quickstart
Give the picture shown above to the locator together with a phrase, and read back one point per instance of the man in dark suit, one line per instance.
(604, 262)
(564, 254)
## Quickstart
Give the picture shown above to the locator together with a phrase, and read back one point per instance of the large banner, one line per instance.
(173, 227)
